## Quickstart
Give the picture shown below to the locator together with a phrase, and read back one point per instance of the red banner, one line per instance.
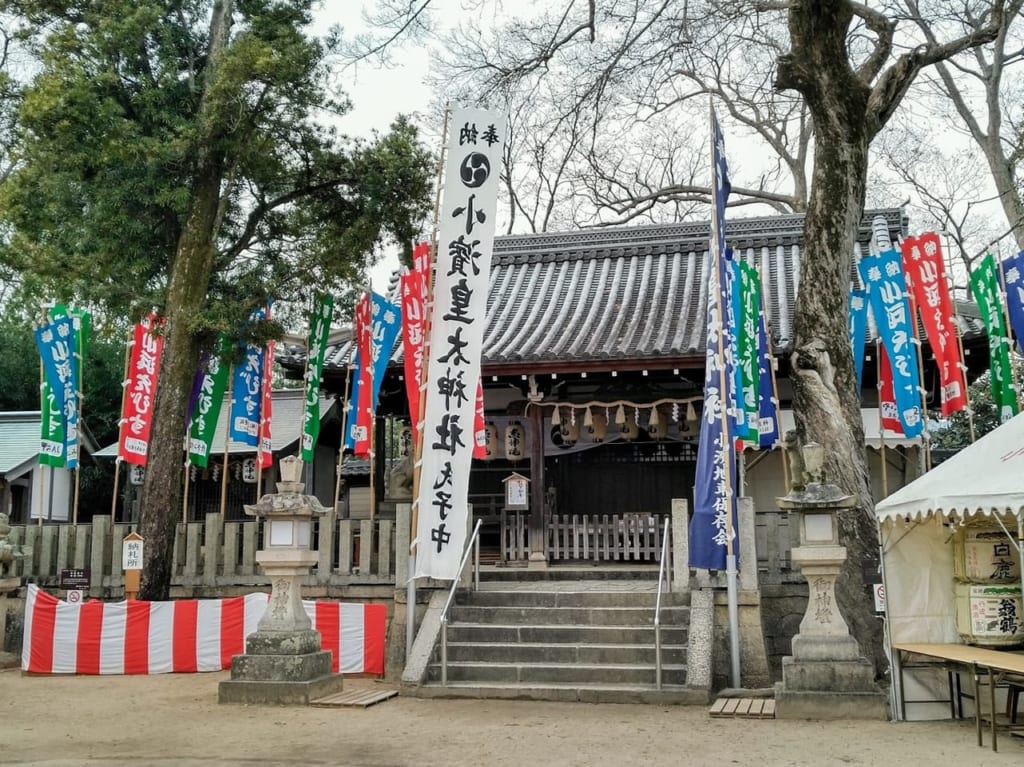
(414, 319)
(479, 427)
(926, 274)
(887, 394)
(266, 410)
(421, 259)
(140, 390)
(364, 407)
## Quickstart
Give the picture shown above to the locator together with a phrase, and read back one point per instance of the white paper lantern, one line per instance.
(515, 442)
(492, 442)
(570, 431)
(598, 428)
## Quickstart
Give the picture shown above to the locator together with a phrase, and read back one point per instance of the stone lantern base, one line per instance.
(280, 668)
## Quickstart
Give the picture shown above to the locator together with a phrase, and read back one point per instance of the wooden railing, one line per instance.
(212, 554)
(588, 537)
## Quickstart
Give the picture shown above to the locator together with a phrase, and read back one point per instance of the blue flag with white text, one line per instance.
(713, 526)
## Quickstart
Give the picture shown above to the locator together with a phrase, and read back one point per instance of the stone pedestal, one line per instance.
(283, 662)
(826, 677)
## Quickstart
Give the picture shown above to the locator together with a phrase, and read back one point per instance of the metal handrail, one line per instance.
(662, 571)
(473, 544)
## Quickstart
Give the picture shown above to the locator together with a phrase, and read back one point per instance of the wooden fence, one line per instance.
(588, 537)
(208, 555)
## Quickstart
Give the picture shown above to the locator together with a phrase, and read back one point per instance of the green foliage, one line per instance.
(110, 136)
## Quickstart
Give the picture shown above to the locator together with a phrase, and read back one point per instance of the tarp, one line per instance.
(984, 478)
(917, 525)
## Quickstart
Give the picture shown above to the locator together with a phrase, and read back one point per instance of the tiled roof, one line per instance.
(19, 441)
(627, 293)
(285, 426)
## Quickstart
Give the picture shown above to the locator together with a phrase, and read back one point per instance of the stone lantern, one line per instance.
(826, 677)
(283, 661)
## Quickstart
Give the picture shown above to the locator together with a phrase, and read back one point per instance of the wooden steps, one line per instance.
(360, 698)
(744, 708)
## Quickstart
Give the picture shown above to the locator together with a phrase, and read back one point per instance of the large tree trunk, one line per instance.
(186, 296)
(826, 402)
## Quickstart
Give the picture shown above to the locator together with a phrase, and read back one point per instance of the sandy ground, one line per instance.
(175, 720)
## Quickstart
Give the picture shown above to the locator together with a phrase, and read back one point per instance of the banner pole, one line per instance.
(951, 286)
(1008, 338)
(80, 395)
(227, 445)
(922, 392)
(881, 421)
(417, 447)
(124, 397)
(775, 384)
(727, 447)
(344, 423)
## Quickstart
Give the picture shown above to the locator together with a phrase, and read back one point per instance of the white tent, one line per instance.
(917, 525)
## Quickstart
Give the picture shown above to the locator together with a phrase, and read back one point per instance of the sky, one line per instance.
(378, 96)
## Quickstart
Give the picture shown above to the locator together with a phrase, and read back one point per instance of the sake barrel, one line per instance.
(982, 553)
(989, 614)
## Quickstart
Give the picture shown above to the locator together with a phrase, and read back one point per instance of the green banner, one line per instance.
(316, 345)
(208, 406)
(746, 350)
(985, 289)
(51, 449)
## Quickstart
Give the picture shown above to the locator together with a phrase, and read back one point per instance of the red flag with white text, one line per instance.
(364, 406)
(887, 394)
(413, 288)
(140, 390)
(926, 274)
(479, 427)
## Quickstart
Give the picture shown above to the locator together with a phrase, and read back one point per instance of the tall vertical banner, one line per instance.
(887, 294)
(58, 347)
(748, 298)
(247, 393)
(926, 274)
(985, 289)
(713, 525)
(361, 418)
(413, 287)
(384, 329)
(767, 403)
(316, 345)
(889, 411)
(858, 330)
(266, 446)
(143, 368)
(51, 445)
(466, 237)
(209, 403)
(1013, 277)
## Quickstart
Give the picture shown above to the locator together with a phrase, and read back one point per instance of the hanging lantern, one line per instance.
(136, 474)
(570, 431)
(515, 442)
(629, 430)
(555, 419)
(598, 428)
(656, 426)
(249, 470)
(492, 442)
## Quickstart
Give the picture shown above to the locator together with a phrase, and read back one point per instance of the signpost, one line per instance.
(131, 563)
(74, 578)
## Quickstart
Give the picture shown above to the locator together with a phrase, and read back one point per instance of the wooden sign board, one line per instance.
(517, 492)
(131, 552)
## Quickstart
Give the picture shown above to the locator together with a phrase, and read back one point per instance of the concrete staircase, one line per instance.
(564, 640)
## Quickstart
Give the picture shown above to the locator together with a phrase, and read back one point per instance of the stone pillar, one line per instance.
(283, 662)
(680, 546)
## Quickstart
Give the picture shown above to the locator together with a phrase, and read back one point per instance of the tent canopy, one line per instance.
(984, 478)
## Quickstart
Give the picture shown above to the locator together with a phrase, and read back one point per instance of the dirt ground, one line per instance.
(176, 720)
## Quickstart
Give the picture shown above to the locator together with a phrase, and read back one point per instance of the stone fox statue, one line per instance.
(400, 479)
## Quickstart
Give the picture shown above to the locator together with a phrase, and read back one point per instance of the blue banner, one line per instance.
(386, 319)
(1013, 277)
(247, 393)
(887, 294)
(58, 349)
(387, 323)
(713, 526)
(858, 330)
(767, 407)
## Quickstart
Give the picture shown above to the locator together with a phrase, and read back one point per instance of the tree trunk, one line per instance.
(186, 296)
(826, 402)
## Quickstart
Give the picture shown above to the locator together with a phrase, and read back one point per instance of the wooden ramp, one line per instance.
(744, 708)
(360, 698)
